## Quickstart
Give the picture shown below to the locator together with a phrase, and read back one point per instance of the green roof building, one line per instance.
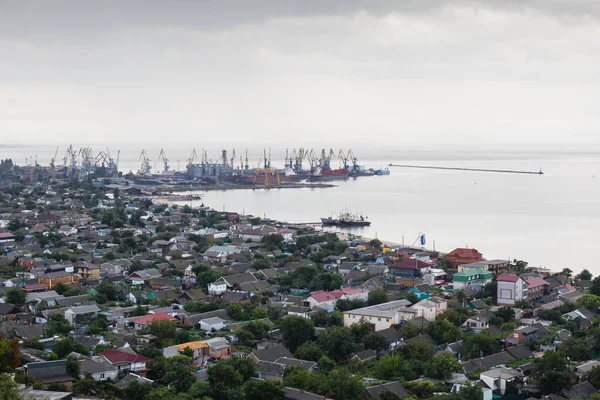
(475, 278)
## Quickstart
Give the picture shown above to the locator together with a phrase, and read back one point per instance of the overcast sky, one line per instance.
(412, 71)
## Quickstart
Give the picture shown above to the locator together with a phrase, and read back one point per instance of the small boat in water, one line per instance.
(384, 171)
(345, 219)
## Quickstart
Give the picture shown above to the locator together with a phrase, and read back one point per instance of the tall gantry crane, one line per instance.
(193, 157)
(163, 156)
(146, 166)
(53, 165)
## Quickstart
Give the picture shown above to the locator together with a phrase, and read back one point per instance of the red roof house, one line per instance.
(327, 300)
(126, 361)
(461, 256)
(151, 318)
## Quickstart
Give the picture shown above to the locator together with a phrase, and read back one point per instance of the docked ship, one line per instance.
(345, 219)
(320, 174)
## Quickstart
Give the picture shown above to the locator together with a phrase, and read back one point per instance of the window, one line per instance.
(102, 375)
(379, 319)
(387, 320)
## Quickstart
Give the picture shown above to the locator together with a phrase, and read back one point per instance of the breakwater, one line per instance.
(504, 171)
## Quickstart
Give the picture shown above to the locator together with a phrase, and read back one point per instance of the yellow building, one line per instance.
(52, 278)
(88, 271)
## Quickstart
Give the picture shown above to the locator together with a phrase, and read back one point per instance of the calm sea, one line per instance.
(550, 220)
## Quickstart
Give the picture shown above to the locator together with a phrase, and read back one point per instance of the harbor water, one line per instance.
(549, 220)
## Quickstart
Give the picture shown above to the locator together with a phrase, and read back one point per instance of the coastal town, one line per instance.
(106, 292)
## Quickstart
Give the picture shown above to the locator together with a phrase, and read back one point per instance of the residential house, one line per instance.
(88, 271)
(511, 288)
(212, 324)
(98, 367)
(217, 288)
(257, 233)
(571, 297)
(50, 279)
(141, 276)
(191, 295)
(479, 321)
(66, 230)
(473, 278)
(377, 391)
(126, 361)
(461, 256)
(494, 266)
(115, 267)
(431, 308)
(497, 379)
(81, 315)
(203, 351)
(327, 300)
(382, 316)
(232, 281)
(49, 372)
(163, 283)
(537, 288)
(409, 272)
(151, 318)
(525, 334)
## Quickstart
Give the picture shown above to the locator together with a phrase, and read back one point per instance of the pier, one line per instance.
(504, 171)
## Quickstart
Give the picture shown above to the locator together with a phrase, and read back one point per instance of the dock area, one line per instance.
(504, 171)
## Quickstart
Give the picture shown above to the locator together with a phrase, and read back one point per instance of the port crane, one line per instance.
(163, 156)
(267, 160)
(246, 166)
(232, 157)
(53, 165)
(193, 157)
(70, 160)
(146, 167)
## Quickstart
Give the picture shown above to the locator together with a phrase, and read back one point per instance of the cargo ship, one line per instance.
(345, 219)
(329, 174)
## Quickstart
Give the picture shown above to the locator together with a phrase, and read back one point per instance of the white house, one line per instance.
(67, 230)
(511, 288)
(382, 316)
(327, 300)
(98, 367)
(217, 288)
(212, 324)
(74, 314)
(497, 378)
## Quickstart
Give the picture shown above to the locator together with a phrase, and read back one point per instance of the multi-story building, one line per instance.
(475, 278)
(537, 288)
(511, 288)
(409, 272)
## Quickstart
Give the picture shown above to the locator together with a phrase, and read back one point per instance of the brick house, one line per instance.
(460, 256)
(511, 288)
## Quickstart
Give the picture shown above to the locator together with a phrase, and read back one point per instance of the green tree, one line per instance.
(345, 386)
(137, 391)
(566, 272)
(584, 275)
(273, 242)
(551, 373)
(309, 351)
(375, 341)
(295, 331)
(479, 345)
(163, 329)
(377, 297)
(162, 394)
(8, 388)
(16, 296)
(180, 374)
(33, 343)
(68, 345)
(85, 386)
(442, 366)
(57, 324)
(576, 349)
(594, 377)
(506, 314)
(259, 390)
(443, 331)
(337, 343)
(421, 389)
(595, 289)
(589, 301)
(222, 377)
(394, 367)
(10, 355)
